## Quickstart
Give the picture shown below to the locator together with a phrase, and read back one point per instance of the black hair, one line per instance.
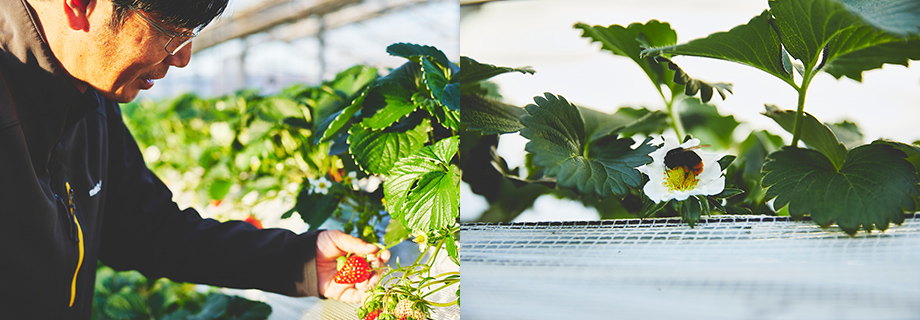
(189, 14)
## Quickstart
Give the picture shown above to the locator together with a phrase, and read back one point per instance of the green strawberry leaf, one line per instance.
(912, 151)
(630, 41)
(558, 141)
(854, 63)
(219, 188)
(451, 96)
(329, 98)
(652, 207)
(692, 209)
(625, 121)
(472, 71)
(875, 186)
(703, 121)
(847, 133)
(375, 151)
(395, 232)
(726, 161)
(128, 305)
(437, 83)
(728, 193)
(423, 188)
(814, 133)
(314, 207)
(414, 52)
(490, 116)
(244, 309)
(215, 307)
(808, 27)
(896, 16)
(755, 44)
(450, 244)
(445, 116)
(334, 124)
(398, 104)
(434, 202)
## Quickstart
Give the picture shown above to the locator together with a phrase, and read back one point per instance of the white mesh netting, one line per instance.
(727, 267)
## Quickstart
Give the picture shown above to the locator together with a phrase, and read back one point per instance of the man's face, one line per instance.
(119, 63)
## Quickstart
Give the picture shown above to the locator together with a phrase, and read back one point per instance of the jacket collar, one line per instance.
(45, 102)
(30, 63)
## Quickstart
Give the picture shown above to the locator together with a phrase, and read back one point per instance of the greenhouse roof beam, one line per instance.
(264, 17)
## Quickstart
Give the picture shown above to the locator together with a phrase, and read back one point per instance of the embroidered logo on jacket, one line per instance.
(96, 189)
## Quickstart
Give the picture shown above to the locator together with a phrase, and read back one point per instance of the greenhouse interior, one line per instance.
(213, 132)
(581, 159)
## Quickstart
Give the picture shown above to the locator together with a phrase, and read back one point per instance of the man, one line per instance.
(74, 188)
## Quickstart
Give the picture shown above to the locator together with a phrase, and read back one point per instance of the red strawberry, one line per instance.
(356, 269)
(254, 221)
(373, 315)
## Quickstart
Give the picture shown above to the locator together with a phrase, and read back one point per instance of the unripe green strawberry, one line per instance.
(354, 270)
(406, 308)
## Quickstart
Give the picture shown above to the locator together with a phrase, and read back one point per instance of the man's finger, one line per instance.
(380, 259)
(346, 294)
(347, 243)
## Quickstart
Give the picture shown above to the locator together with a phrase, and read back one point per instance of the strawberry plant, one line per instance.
(129, 295)
(376, 153)
(844, 38)
(589, 156)
(402, 127)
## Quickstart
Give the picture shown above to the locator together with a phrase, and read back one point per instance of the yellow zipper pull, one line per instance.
(79, 234)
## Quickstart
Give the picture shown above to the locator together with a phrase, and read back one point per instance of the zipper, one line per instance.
(77, 233)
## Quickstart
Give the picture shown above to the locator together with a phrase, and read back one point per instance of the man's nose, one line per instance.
(181, 58)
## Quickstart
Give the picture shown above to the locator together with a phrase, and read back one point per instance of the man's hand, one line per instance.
(331, 244)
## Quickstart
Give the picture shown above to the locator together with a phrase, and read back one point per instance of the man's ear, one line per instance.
(77, 13)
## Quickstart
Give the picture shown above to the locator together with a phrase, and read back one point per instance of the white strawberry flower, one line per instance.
(320, 185)
(368, 184)
(683, 179)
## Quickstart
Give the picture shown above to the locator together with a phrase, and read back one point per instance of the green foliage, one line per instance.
(873, 187)
(745, 173)
(814, 133)
(854, 63)
(422, 189)
(694, 86)
(337, 141)
(629, 41)
(472, 73)
(755, 44)
(417, 53)
(258, 143)
(559, 141)
(377, 151)
(129, 295)
(490, 116)
(847, 133)
(819, 33)
(704, 122)
(843, 38)
(810, 26)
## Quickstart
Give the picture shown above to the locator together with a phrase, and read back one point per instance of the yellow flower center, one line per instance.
(680, 179)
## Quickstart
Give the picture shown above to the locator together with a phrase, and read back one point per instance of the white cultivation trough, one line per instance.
(727, 267)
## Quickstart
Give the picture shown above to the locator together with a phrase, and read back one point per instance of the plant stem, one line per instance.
(675, 119)
(446, 304)
(800, 110)
(447, 283)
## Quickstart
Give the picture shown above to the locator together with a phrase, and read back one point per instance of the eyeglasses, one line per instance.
(176, 42)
